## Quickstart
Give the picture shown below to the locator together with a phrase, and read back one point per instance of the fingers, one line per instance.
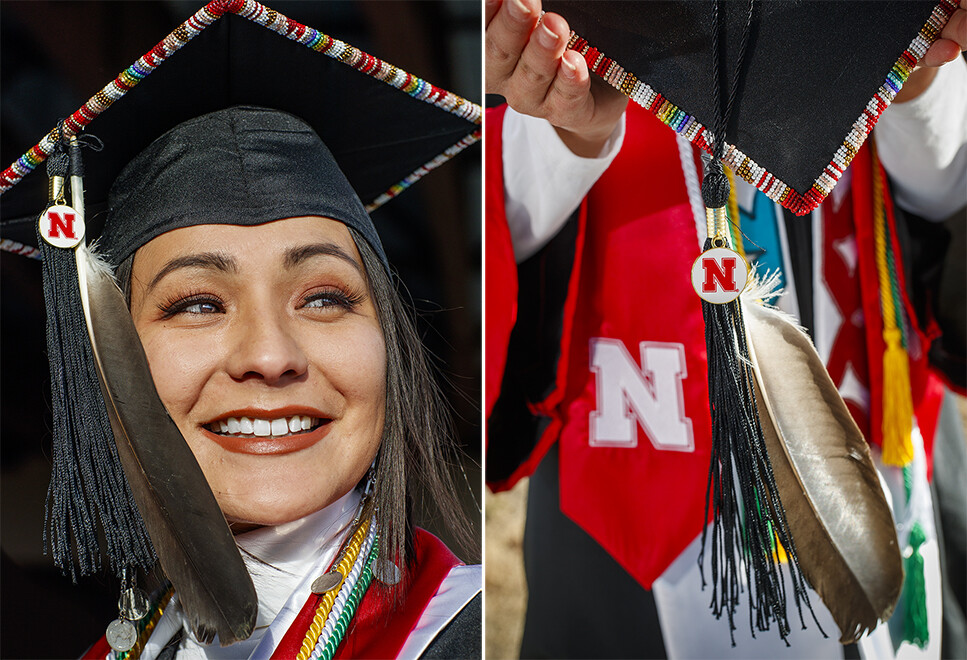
(507, 34)
(490, 9)
(527, 62)
(569, 102)
(956, 28)
(537, 68)
(952, 41)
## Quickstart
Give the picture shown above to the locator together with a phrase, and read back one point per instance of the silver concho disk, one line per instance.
(388, 573)
(133, 604)
(121, 635)
(326, 582)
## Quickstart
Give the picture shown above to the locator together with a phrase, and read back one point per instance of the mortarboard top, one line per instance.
(385, 127)
(816, 78)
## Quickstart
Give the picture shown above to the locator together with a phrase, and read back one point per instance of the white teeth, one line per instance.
(264, 428)
(279, 427)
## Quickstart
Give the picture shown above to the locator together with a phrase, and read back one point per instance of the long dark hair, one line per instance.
(417, 451)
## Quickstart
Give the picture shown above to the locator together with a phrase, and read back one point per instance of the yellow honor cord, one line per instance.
(897, 422)
(325, 605)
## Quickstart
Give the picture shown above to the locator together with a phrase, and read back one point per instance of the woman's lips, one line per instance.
(267, 435)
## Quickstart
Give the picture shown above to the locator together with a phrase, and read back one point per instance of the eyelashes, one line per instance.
(333, 297)
(202, 303)
(193, 303)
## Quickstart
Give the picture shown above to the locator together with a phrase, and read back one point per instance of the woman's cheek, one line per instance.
(178, 367)
(361, 363)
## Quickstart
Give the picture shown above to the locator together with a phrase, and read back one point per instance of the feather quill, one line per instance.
(194, 544)
(838, 515)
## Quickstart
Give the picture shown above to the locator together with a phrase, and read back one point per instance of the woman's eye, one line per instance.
(191, 305)
(331, 298)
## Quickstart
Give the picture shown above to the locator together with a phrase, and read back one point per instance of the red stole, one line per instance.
(501, 271)
(644, 505)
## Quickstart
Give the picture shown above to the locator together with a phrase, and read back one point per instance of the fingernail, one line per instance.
(546, 37)
(569, 70)
(518, 9)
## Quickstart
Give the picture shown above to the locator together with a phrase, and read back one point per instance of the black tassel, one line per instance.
(87, 488)
(748, 518)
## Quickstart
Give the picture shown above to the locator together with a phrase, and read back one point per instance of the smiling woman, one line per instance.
(274, 331)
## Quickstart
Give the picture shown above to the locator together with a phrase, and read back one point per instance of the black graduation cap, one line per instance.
(815, 78)
(385, 128)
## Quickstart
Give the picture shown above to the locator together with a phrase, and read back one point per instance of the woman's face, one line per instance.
(265, 347)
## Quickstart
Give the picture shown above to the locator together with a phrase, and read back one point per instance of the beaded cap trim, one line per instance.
(743, 166)
(311, 38)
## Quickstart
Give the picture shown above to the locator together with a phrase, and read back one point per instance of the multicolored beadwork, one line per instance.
(743, 166)
(258, 13)
(14, 247)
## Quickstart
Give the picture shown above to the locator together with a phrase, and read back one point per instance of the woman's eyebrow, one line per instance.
(209, 260)
(296, 255)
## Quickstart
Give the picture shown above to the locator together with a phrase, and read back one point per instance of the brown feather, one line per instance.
(194, 544)
(838, 515)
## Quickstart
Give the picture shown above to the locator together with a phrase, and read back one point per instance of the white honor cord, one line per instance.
(344, 592)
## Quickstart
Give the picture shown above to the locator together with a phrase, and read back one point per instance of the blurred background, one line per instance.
(53, 57)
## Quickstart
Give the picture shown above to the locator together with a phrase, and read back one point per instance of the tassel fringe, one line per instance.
(87, 487)
(915, 628)
(897, 422)
(749, 533)
(897, 406)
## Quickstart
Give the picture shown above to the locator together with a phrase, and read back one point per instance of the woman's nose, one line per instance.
(267, 350)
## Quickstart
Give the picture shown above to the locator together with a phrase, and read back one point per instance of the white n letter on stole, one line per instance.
(651, 396)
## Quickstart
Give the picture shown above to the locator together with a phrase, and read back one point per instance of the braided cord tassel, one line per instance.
(897, 422)
(915, 628)
(748, 519)
(748, 524)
